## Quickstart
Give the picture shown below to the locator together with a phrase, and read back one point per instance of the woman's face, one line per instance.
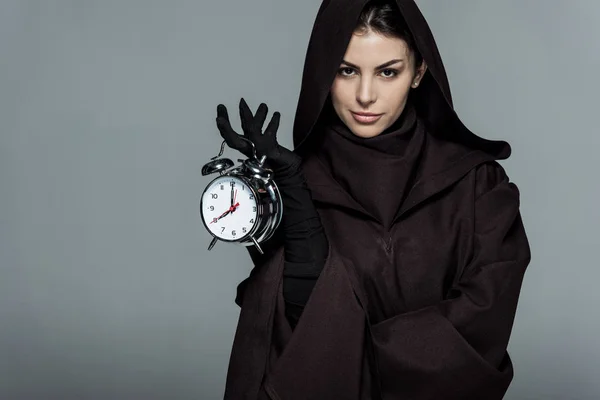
(375, 76)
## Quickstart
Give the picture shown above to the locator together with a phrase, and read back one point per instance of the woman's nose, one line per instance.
(365, 94)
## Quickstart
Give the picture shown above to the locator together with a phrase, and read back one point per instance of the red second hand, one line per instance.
(231, 209)
(221, 216)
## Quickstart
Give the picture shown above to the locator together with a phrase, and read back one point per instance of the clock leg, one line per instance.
(257, 245)
(212, 243)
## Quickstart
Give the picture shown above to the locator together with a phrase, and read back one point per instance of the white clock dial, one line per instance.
(229, 208)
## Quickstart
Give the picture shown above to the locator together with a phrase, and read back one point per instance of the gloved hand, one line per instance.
(305, 244)
(282, 160)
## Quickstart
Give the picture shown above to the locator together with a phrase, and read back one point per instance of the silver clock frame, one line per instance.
(269, 211)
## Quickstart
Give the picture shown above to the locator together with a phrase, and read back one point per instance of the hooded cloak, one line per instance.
(418, 294)
(375, 172)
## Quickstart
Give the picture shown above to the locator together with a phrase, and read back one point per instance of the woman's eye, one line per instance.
(389, 73)
(386, 73)
(346, 71)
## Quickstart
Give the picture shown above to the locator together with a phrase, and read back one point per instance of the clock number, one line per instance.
(254, 209)
(251, 197)
(232, 183)
(222, 187)
(232, 233)
(222, 229)
(244, 230)
(212, 208)
(215, 220)
(252, 221)
(214, 195)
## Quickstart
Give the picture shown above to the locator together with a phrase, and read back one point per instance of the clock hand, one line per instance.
(234, 195)
(231, 209)
(221, 216)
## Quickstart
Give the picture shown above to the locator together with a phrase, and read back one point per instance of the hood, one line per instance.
(332, 31)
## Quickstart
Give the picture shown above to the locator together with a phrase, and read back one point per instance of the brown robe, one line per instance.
(421, 309)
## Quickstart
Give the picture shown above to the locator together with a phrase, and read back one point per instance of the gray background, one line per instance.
(107, 114)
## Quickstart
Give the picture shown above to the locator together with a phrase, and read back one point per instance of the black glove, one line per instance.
(280, 159)
(305, 243)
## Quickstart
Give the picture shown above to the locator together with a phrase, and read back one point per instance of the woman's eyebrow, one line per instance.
(385, 64)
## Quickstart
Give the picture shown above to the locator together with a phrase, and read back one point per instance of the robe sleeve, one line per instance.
(457, 349)
(259, 261)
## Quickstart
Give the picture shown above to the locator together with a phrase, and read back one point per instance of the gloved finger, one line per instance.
(228, 134)
(261, 115)
(222, 112)
(231, 137)
(273, 126)
(247, 118)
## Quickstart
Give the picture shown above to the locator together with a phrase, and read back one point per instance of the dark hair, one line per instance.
(385, 18)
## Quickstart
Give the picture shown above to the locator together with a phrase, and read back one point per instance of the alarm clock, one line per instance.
(243, 204)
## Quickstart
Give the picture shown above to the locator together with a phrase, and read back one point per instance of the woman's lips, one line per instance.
(365, 119)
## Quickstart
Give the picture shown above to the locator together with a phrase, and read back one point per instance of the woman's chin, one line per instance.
(365, 132)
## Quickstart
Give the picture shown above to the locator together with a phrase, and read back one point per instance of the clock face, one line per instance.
(229, 208)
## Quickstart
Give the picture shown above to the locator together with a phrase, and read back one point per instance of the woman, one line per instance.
(397, 269)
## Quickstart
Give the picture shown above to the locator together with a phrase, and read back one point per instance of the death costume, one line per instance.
(424, 257)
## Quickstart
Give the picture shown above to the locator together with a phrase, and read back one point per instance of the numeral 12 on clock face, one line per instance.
(229, 208)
